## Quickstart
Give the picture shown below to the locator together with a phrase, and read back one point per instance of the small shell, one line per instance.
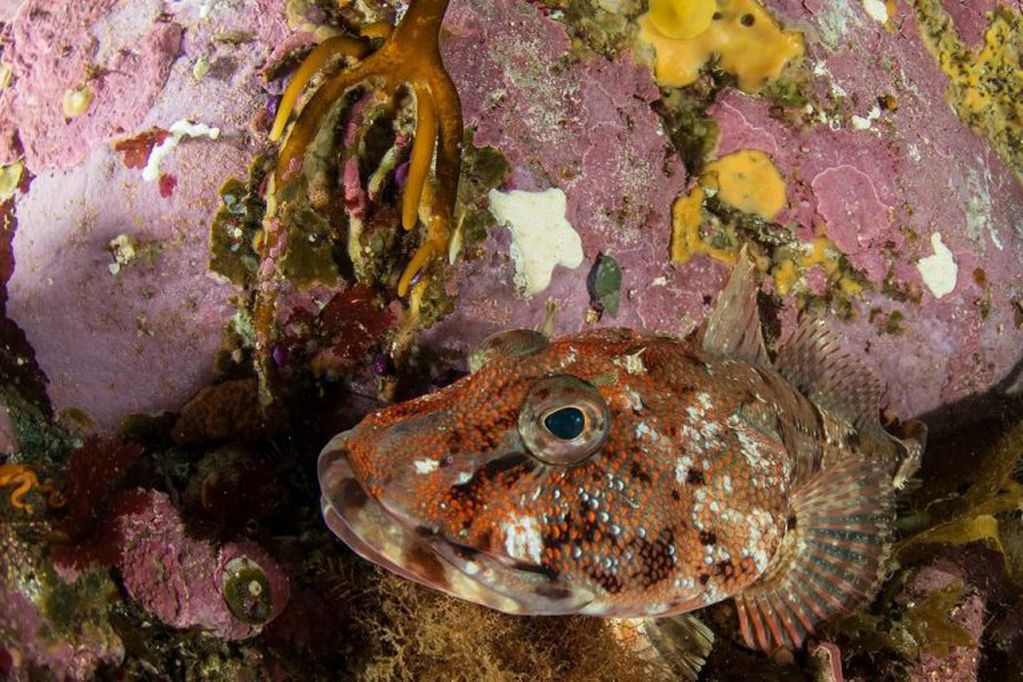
(247, 591)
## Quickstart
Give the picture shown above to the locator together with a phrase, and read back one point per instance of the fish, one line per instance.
(636, 475)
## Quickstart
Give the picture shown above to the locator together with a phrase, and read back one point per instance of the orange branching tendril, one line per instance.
(409, 56)
(24, 479)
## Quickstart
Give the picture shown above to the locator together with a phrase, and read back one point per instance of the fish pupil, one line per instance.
(566, 423)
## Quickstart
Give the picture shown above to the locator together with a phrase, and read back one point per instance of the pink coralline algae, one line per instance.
(584, 126)
(231, 591)
(140, 338)
(879, 182)
(49, 57)
(879, 177)
(26, 651)
(51, 628)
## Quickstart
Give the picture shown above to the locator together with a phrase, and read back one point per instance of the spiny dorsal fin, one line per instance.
(815, 362)
(733, 327)
(832, 558)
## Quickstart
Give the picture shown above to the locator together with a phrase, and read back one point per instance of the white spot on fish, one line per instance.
(426, 466)
(759, 522)
(682, 469)
(471, 568)
(750, 449)
(522, 538)
(643, 429)
(710, 430)
(633, 364)
(633, 400)
(463, 477)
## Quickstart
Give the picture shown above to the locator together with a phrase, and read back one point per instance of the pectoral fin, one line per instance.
(508, 344)
(832, 558)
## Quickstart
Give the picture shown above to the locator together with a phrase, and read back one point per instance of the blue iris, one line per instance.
(566, 423)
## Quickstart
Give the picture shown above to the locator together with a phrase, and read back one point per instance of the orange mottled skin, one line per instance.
(681, 506)
(630, 475)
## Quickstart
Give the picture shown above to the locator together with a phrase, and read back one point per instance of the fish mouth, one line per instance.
(388, 539)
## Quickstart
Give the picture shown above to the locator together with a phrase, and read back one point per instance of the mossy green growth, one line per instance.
(595, 27)
(40, 439)
(684, 116)
(71, 612)
(235, 226)
(930, 621)
(69, 606)
(309, 257)
(155, 651)
(789, 90)
(483, 169)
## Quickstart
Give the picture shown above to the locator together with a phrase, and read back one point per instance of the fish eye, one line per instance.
(563, 421)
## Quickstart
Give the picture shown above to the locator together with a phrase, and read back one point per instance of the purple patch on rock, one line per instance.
(180, 579)
(879, 185)
(143, 339)
(585, 127)
(28, 649)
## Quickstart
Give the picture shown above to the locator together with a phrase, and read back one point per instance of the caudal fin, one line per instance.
(832, 558)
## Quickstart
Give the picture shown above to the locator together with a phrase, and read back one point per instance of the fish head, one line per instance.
(533, 485)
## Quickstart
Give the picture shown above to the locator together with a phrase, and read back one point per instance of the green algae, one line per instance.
(930, 622)
(692, 132)
(483, 169)
(41, 440)
(596, 27)
(235, 226)
(68, 606)
(309, 255)
(606, 284)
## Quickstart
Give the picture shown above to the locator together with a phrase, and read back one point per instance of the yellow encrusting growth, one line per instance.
(744, 37)
(785, 276)
(790, 266)
(686, 241)
(747, 180)
(682, 20)
(985, 87)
